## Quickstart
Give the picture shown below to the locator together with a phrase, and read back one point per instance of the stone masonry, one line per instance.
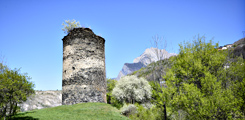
(84, 78)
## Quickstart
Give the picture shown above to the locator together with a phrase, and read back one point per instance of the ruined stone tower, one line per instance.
(84, 78)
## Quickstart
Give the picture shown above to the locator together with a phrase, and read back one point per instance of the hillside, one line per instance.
(82, 111)
(154, 71)
(239, 47)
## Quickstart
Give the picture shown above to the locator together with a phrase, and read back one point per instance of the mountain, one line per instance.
(150, 55)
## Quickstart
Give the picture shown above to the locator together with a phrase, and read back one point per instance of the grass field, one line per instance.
(82, 111)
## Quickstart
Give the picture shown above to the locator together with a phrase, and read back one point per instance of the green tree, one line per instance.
(234, 77)
(110, 86)
(197, 86)
(70, 25)
(14, 89)
(132, 89)
(110, 99)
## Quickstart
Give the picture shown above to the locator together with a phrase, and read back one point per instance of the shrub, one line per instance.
(128, 110)
(143, 113)
(132, 89)
(71, 24)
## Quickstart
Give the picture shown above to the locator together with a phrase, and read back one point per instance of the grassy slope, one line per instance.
(82, 111)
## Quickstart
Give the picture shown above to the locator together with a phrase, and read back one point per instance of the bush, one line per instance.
(71, 24)
(128, 110)
(132, 89)
(143, 113)
(116, 103)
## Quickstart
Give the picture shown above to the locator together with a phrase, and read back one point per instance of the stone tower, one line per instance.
(84, 78)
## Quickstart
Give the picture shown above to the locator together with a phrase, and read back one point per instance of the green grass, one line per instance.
(82, 111)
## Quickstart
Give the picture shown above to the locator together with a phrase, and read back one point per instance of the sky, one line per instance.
(31, 30)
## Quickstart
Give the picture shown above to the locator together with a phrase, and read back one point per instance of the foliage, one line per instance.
(197, 85)
(81, 111)
(143, 113)
(159, 98)
(128, 109)
(116, 103)
(71, 24)
(14, 89)
(235, 78)
(110, 86)
(132, 89)
(110, 99)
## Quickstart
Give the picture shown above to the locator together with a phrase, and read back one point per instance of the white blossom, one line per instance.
(132, 88)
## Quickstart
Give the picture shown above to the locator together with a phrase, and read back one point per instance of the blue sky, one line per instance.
(30, 32)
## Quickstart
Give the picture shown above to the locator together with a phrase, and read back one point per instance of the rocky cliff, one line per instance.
(42, 99)
(150, 55)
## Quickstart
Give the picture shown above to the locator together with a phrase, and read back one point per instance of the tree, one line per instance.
(110, 86)
(197, 85)
(111, 99)
(132, 89)
(159, 49)
(14, 89)
(161, 54)
(71, 24)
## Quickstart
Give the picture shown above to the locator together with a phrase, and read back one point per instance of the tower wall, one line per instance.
(84, 78)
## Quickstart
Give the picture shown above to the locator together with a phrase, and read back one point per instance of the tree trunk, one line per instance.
(4, 113)
(109, 99)
(15, 109)
(165, 112)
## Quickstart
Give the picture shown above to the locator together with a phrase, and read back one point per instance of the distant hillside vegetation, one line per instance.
(239, 42)
(239, 47)
(154, 71)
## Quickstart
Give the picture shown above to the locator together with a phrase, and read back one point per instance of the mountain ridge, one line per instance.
(148, 56)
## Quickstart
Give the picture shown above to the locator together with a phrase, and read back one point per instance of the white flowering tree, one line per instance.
(132, 89)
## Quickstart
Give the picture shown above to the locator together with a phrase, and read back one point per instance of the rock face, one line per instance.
(150, 55)
(129, 68)
(42, 99)
(84, 78)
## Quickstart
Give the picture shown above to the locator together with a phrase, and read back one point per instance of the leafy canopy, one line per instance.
(197, 83)
(14, 89)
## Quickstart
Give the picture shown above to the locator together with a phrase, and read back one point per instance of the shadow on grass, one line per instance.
(21, 116)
